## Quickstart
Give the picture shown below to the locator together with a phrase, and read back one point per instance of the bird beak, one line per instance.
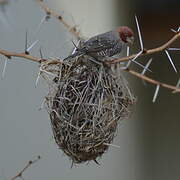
(130, 40)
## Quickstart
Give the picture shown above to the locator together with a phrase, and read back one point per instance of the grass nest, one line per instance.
(85, 103)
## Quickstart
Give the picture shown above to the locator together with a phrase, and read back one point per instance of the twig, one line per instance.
(10, 54)
(152, 81)
(148, 52)
(19, 174)
(51, 12)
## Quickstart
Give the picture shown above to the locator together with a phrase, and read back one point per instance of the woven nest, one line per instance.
(85, 105)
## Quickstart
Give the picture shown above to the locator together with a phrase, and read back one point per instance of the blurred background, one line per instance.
(149, 140)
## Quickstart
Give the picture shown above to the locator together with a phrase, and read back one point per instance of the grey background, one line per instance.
(149, 140)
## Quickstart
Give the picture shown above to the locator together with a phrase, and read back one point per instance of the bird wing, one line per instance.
(97, 44)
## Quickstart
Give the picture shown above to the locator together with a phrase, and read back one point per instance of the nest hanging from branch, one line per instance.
(86, 101)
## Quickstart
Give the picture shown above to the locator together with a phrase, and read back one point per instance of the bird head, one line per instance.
(126, 34)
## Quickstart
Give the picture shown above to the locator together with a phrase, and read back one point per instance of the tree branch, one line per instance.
(10, 54)
(19, 174)
(148, 52)
(152, 81)
(145, 52)
(50, 12)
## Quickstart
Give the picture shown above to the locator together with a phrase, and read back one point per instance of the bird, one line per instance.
(105, 45)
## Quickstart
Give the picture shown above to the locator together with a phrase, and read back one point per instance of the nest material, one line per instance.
(86, 104)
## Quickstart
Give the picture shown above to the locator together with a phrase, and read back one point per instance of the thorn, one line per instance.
(176, 31)
(174, 49)
(32, 45)
(173, 30)
(127, 53)
(167, 53)
(139, 64)
(40, 24)
(96, 162)
(72, 164)
(146, 67)
(139, 33)
(133, 60)
(178, 86)
(128, 64)
(40, 51)
(4, 68)
(178, 83)
(74, 50)
(37, 79)
(137, 55)
(26, 43)
(156, 93)
(76, 46)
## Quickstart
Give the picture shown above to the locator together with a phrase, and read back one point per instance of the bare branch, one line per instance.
(152, 81)
(50, 12)
(10, 54)
(148, 52)
(19, 174)
(165, 46)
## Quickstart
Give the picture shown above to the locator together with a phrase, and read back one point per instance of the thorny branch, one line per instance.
(152, 81)
(24, 55)
(73, 30)
(19, 174)
(150, 51)
(127, 58)
(9, 55)
(50, 13)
